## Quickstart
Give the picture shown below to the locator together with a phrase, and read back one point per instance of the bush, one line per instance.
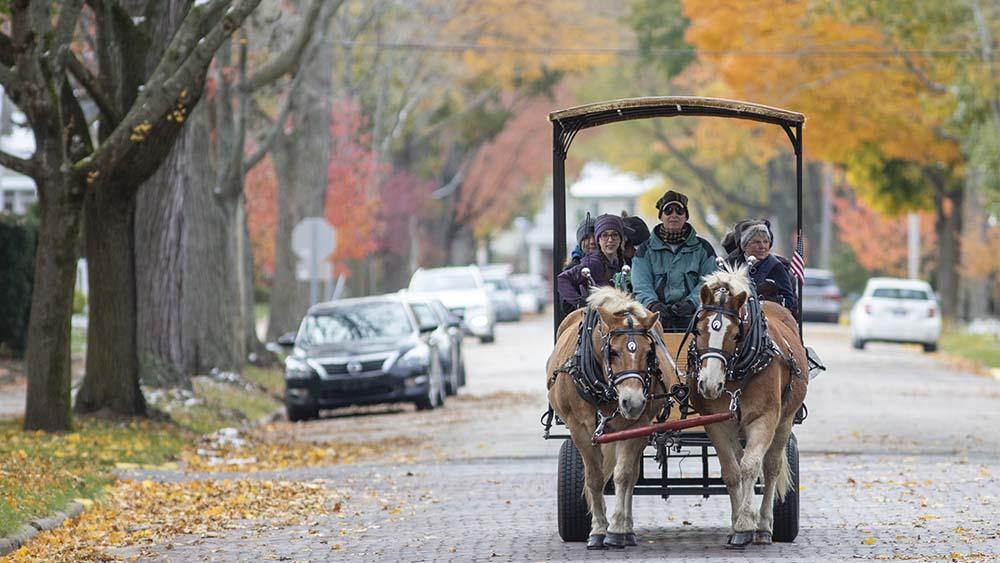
(18, 236)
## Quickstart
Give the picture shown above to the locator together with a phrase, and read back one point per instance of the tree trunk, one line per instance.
(948, 225)
(112, 379)
(47, 360)
(300, 160)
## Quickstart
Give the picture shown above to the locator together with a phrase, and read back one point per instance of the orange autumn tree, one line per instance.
(879, 242)
(353, 170)
(349, 207)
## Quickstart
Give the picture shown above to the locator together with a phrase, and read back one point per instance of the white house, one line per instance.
(17, 191)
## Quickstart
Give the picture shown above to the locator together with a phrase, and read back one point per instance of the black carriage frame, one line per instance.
(565, 125)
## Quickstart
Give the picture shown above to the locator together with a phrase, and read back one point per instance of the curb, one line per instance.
(31, 529)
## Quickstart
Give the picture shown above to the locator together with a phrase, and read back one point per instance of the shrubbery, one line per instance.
(18, 236)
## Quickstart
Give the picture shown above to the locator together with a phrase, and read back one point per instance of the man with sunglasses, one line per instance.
(667, 269)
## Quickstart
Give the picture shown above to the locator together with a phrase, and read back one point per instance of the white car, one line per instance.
(896, 310)
(531, 292)
(464, 293)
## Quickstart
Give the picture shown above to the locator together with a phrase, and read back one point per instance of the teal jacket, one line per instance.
(661, 275)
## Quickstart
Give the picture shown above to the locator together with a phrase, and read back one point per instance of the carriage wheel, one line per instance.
(574, 518)
(786, 512)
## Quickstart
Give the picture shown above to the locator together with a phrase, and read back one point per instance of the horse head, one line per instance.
(628, 349)
(718, 328)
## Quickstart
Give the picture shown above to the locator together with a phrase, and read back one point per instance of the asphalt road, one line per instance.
(898, 461)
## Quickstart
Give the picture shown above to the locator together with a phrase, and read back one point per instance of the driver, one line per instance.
(667, 269)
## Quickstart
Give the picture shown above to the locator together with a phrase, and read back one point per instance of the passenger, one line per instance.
(636, 233)
(667, 269)
(603, 263)
(584, 242)
(769, 273)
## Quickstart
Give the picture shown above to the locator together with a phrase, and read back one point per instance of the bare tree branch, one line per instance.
(69, 13)
(19, 165)
(161, 94)
(931, 85)
(288, 60)
(89, 82)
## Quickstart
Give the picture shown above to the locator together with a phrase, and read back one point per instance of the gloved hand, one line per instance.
(683, 308)
(662, 309)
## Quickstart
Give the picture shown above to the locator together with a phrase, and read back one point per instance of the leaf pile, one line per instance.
(147, 512)
(40, 473)
(227, 451)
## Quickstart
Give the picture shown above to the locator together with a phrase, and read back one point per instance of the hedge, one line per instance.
(17, 271)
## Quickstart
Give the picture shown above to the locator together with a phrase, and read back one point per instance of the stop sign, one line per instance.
(313, 239)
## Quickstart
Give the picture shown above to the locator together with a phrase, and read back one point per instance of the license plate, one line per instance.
(899, 312)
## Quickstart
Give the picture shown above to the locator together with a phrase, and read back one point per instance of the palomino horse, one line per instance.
(748, 357)
(626, 373)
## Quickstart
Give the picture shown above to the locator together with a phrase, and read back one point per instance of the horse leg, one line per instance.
(776, 481)
(759, 435)
(594, 478)
(626, 473)
(726, 439)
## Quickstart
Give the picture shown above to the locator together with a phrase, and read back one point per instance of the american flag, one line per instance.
(799, 263)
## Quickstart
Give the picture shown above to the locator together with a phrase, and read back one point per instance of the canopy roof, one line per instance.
(600, 113)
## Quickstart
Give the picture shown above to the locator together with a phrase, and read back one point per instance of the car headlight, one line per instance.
(417, 359)
(477, 316)
(297, 369)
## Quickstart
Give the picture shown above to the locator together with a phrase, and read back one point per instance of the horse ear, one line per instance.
(606, 316)
(649, 321)
(706, 295)
(740, 298)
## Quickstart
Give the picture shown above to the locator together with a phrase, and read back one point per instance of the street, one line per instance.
(898, 461)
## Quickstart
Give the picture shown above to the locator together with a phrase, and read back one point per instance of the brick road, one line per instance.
(899, 461)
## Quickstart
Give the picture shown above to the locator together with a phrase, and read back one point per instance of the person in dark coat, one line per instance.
(604, 263)
(585, 243)
(636, 233)
(769, 273)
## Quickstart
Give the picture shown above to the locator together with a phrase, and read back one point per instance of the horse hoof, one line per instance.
(595, 541)
(740, 539)
(762, 538)
(630, 539)
(614, 540)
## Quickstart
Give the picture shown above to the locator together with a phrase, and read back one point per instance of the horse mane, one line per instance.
(737, 279)
(615, 300)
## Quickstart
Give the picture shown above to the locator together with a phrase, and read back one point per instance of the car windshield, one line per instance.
(900, 293)
(355, 322)
(442, 281)
(818, 282)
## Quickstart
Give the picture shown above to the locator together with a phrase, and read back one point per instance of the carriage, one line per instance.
(666, 448)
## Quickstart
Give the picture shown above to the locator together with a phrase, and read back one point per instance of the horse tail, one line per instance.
(783, 481)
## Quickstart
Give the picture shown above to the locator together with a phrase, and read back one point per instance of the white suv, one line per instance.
(896, 310)
(463, 292)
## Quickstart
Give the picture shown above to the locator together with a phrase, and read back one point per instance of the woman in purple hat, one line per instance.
(603, 263)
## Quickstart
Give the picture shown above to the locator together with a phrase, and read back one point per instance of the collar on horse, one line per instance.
(754, 347)
(593, 385)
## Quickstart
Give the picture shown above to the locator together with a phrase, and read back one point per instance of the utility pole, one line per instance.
(913, 245)
(826, 212)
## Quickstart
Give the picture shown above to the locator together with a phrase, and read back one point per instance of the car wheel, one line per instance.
(858, 344)
(454, 378)
(833, 318)
(488, 339)
(297, 413)
(461, 371)
(932, 347)
(435, 388)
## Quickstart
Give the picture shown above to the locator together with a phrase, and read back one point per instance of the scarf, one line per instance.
(673, 238)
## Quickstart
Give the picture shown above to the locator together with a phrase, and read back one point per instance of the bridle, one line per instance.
(698, 355)
(652, 365)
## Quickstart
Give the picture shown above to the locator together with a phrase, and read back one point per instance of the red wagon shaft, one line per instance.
(663, 427)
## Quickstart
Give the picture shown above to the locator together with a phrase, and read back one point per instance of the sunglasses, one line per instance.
(673, 210)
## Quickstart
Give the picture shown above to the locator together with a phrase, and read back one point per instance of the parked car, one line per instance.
(448, 336)
(820, 297)
(362, 351)
(502, 296)
(463, 291)
(896, 310)
(531, 292)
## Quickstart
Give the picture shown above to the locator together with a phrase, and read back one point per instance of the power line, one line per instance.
(633, 51)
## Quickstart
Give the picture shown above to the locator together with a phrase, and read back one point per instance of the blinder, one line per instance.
(652, 367)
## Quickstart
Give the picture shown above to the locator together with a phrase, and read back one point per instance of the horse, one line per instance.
(747, 357)
(619, 394)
